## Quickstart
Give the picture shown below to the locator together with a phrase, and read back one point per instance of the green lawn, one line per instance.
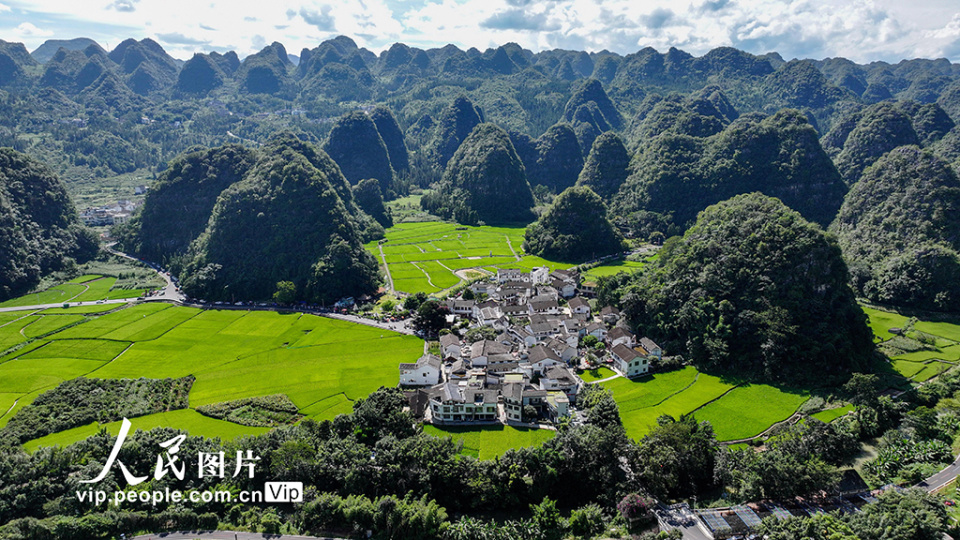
(675, 393)
(597, 374)
(321, 364)
(613, 268)
(882, 321)
(489, 442)
(748, 410)
(830, 415)
(415, 251)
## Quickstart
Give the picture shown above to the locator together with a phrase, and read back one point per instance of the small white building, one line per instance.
(450, 346)
(579, 306)
(619, 336)
(630, 362)
(425, 372)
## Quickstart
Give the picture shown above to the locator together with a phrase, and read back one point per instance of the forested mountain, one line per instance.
(899, 228)
(752, 289)
(291, 218)
(176, 210)
(659, 136)
(234, 222)
(39, 229)
(357, 147)
(575, 228)
(484, 181)
(676, 174)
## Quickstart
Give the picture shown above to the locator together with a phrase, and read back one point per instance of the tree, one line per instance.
(677, 458)
(412, 302)
(286, 292)
(431, 316)
(547, 517)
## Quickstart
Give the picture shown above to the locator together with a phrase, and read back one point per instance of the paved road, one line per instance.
(60, 304)
(682, 519)
(938, 480)
(225, 535)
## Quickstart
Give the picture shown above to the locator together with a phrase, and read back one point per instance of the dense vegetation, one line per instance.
(755, 290)
(176, 210)
(39, 228)
(78, 402)
(357, 147)
(575, 227)
(900, 231)
(291, 218)
(484, 181)
(676, 174)
(259, 411)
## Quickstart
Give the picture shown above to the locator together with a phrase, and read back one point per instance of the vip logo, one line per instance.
(279, 492)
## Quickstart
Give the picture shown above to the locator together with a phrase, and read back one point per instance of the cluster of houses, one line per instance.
(528, 372)
(109, 214)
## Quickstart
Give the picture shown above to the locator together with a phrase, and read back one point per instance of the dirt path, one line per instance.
(386, 269)
(510, 245)
(430, 281)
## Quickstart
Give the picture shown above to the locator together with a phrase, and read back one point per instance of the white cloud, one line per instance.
(29, 30)
(862, 30)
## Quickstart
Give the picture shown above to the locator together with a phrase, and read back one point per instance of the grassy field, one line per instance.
(493, 441)
(597, 374)
(830, 415)
(732, 410)
(422, 257)
(748, 410)
(321, 364)
(85, 288)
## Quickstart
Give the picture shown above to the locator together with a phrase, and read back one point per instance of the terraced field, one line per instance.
(321, 364)
(943, 344)
(731, 409)
(422, 257)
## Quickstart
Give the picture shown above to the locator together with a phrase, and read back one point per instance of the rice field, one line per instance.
(491, 441)
(830, 415)
(422, 257)
(80, 289)
(882, 321)
(748, 410)
(321, 364)
(731, 409)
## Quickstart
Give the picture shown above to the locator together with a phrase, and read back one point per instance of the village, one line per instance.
(543, 332)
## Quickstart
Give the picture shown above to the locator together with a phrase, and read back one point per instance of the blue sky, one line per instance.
(862, 30)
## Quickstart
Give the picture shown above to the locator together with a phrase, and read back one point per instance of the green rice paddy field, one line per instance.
(744, 411)
(493, 441)
(82, 289)
(733, 410)
(922, 365)
(321, 364)
(422, 257)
